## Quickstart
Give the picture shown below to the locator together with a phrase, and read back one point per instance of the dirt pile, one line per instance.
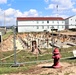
(7, 44)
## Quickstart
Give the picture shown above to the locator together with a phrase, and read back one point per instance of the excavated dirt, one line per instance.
(41, 69)
(7, 44)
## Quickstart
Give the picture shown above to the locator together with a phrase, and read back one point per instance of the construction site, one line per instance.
(63, 39)
(45, 42)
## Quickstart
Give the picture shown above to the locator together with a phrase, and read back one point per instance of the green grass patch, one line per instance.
(25, 56)
(7, 35)
(7, 70)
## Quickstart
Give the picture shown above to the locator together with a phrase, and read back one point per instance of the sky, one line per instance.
(11, 9)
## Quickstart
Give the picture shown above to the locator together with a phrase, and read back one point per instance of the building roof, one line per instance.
(38, 18)
(70, 17)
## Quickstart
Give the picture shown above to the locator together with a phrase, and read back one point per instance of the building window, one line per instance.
(48, 27)
(37, 27)
(47, 21)
(37, 22)
(62, 26)
(57, 26)
(42, 21)
(52, 21)
(52, 27)
(57, 22)
(62, 22)
(42, 27)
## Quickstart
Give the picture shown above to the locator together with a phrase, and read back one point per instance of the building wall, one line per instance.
(32, 26)
(66, 23)
(71, 22)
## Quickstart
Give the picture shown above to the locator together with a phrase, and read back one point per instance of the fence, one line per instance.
(19, 45)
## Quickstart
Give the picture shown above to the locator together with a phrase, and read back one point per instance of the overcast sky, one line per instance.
(10, 9)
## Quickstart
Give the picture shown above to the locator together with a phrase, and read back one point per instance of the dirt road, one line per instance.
(45, 69)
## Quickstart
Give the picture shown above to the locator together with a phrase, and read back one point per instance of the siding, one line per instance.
(32, 25)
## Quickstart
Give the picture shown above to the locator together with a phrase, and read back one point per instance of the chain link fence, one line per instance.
(19, 47)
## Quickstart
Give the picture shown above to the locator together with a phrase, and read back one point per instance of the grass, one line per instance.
(7, 35)
(7, 70)
(25, 56)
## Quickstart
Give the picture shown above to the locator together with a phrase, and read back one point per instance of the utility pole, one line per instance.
(57, 16)
(4, 21)
(58, 23)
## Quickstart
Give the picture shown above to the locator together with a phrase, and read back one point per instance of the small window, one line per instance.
(58, 22)
(52, 27)
(42, 21)
(62, 26)
(48, 27)
(52, 21)
(62, 22)
(42, 27)
(37, 27)
(71, 19)
(47, 21)
(37, 22)
(57, 26)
